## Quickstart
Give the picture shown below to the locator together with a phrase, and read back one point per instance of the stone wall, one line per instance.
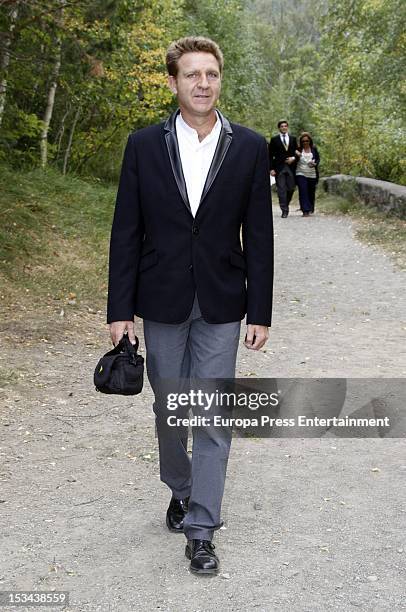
(387, 197)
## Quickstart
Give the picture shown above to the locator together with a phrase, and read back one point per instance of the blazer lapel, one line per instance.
(174, 156)
(283, 147)
(224, 141)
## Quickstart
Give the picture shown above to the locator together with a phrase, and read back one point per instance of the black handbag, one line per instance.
(121, 370)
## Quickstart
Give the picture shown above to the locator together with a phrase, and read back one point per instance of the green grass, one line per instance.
(372, 226)
(54, 235)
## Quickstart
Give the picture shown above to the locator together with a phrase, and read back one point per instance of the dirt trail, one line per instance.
(311, 525)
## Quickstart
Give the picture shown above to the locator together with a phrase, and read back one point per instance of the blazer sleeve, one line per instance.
(292, 152)
(293, 146)
(257, 235)
(125, 242)
(271, 150)
(316, 156)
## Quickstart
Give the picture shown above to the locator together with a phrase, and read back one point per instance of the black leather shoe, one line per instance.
(284, 215)
(203, 559)
(176, 513)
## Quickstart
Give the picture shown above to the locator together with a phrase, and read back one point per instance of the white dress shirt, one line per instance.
(287, 139)
(196, 157)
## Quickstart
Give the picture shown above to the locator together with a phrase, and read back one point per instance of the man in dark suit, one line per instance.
(187, 188)
(282, 158)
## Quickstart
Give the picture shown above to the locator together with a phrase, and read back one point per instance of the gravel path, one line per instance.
(311, 524)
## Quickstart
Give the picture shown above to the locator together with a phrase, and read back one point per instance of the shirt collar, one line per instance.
(192, 134)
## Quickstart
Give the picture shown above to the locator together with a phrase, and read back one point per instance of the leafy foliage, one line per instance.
(335, 68)
(359, 114)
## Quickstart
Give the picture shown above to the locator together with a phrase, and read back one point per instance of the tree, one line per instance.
(362, 82)
(5, 55)
(52, 86)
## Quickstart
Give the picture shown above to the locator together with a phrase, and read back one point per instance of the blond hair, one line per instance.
(191, 44)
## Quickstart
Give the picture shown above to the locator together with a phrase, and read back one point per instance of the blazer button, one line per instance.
(195, 230)
(190, 267)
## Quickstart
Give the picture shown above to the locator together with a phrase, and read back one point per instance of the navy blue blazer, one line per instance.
(278, 153)
(160, 255)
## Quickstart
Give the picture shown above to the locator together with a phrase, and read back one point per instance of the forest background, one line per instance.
(77, 76)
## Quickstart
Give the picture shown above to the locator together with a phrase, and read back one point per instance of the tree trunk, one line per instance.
(69, 146)
(50, 104)
(5, 61)
(52, 88)
(61, 132)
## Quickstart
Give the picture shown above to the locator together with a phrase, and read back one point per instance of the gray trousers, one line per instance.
(192, 349)
(285, 186)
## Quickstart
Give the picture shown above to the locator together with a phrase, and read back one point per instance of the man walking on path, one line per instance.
(187, 187)
(282, 149)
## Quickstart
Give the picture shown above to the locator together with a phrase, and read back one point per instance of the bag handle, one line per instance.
(131, 348)
(125, 345)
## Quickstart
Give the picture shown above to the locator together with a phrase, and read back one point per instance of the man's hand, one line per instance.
(261, 335)
(117, 329)
(290, 160)
(273, 173)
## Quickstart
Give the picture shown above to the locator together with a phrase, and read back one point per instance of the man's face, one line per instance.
(197, 84)
(283, 128)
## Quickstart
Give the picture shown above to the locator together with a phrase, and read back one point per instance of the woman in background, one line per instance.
(307, 173)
